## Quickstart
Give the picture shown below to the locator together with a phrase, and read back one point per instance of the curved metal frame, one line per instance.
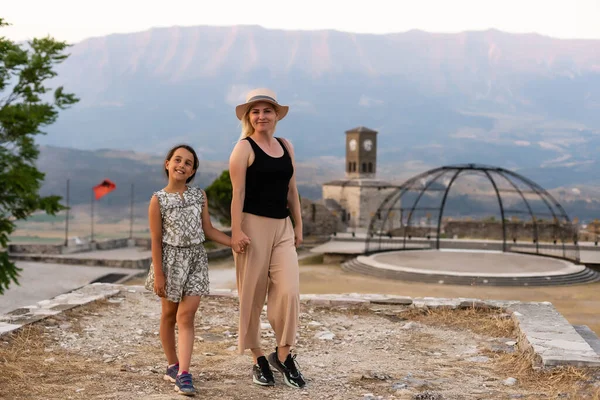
(377, 240)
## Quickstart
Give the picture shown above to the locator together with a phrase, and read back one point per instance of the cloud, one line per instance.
(366, 101)
(303, 106)
(558, 160)
(468, 133)
(189, 114)
(522, 143)
(237, 94)
(550, 146)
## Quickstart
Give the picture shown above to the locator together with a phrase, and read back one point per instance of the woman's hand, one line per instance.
(159, 285)
(298, 239)
(239, 241)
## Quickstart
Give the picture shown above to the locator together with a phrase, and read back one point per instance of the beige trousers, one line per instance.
(268, 266)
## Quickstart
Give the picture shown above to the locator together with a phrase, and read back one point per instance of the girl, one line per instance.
(179, 224)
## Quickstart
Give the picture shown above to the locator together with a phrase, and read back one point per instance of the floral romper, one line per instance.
(184, 259)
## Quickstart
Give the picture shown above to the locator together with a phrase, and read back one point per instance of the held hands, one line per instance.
(239, 242)
(159, 285)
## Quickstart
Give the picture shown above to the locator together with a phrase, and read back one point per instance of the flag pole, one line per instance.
(67, 220)
(131, 215)
(92, 236)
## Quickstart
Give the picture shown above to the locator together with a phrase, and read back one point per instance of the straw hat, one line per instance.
(257, 95)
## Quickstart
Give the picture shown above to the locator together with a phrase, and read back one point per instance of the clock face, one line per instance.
(352, 145)
(368, 144)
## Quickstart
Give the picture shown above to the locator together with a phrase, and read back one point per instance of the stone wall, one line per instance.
(520, 231)
(49, 249)
(318, 220)
(591, 233)
(355, 204)
(112, 244)
(344, 202)
(31, 248)
(145, 243)
(370, 200)
(414, 231)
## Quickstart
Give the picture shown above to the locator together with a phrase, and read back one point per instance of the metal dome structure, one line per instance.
(424, 213)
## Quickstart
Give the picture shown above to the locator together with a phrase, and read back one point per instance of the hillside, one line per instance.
(85, 168)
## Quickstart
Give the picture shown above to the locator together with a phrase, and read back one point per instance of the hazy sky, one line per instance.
(74, 20)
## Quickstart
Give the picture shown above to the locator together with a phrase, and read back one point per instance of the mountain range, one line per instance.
(520, 101)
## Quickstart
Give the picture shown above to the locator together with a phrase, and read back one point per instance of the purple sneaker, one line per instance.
(184, 385)
(171, 374)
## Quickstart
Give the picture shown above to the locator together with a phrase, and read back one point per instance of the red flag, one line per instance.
(104, 188)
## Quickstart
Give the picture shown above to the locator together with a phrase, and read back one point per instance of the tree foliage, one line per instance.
(219, 195)
(27, 104)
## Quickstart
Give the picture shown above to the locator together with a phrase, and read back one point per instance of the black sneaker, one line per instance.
(289, 369)
(262, 374)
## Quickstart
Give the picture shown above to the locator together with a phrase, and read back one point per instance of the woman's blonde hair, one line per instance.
(247, 128)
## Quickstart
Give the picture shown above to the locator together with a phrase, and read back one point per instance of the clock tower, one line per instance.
(361, 153)
(356, 198)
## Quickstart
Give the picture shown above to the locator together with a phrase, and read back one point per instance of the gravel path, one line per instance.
(111, 350)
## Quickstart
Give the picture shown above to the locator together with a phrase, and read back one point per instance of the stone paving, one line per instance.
(541, 328)
(40, 281)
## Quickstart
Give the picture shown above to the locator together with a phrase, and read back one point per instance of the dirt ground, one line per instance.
(111, 350)
(578, 303)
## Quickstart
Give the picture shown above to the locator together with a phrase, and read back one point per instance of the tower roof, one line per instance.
(361, 129)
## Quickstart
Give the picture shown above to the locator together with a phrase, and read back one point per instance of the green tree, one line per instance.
(219, 197)
(27, 105)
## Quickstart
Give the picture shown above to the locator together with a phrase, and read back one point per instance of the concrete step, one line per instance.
(589, 336)
(583, 277)
(552, 338)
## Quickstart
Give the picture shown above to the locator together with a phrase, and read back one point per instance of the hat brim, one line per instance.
(241, 109)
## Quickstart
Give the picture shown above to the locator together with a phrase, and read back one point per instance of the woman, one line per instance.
(263, 177)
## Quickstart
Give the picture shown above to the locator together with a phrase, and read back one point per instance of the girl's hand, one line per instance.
(239, 241)
(298, 239)
(159, 285)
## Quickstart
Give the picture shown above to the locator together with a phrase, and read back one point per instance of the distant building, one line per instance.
(356, 198)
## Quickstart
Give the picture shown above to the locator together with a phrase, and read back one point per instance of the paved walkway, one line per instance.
(39, 281)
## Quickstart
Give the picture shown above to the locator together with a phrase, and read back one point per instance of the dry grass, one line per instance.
(489, 322)
(569, 382)
(25, 345)
(29, 372)
(24, 360)
(575, 383)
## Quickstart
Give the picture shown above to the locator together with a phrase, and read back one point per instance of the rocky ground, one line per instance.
(111, 350)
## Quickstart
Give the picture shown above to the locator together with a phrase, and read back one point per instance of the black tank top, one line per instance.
(267, 183)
